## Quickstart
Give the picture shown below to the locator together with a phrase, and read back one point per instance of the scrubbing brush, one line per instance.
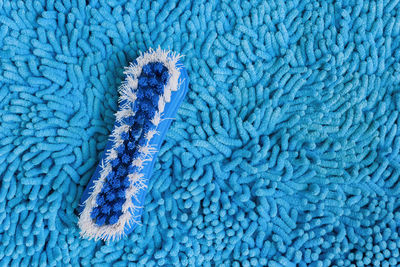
(112, 203)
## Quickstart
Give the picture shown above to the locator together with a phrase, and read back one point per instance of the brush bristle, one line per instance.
(144, 94)
(153, 75)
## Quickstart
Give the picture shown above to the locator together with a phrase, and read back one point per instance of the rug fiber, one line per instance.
(285, 151)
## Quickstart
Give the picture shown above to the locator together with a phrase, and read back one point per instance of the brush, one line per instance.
(112, 203)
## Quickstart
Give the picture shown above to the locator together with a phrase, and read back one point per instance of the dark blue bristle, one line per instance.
(148, 126)
(120, 194)
(144, 108)
(132, 169)
(115, 183)
(95, 212)
(154, 101)
(135, 108)
(114, 218)
(142, 142)
(135, 154)
(153, 82)
(113, 195)
(110, 177)
(101, 220)
(129, 121)
(106, 187)
(118, 205)
(125, 158)
(125, 182)
(164, 77)
(100, 199)
(131, 146)
(124, 136)
(141, 114)
(159, 89)
(143, 81)
(158, 67)
(136, 129)
(115, 162)
(146, 69)
(120, 149)
(139, 95)
(149, 93)
(105, 209)
(147, 111)
(121, 171)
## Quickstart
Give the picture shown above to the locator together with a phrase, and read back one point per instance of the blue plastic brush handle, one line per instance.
(170, 111)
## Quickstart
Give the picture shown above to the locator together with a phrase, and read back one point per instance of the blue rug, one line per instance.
(285, 151)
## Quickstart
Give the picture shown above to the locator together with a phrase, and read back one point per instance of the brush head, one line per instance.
(154, 76)
(113, 202)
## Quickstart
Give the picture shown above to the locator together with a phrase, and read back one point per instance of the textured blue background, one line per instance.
(285, 151)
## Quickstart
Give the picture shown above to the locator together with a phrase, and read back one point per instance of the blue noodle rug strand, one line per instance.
(285, 151)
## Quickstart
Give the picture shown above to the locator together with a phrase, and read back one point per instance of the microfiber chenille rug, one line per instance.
(285, 151)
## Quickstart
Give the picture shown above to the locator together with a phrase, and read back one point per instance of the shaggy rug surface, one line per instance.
(285, 151)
